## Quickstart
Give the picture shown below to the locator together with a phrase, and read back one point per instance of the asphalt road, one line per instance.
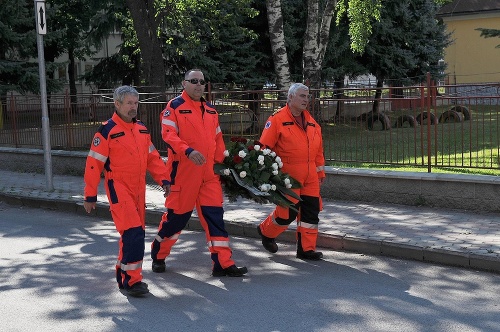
(57, 274)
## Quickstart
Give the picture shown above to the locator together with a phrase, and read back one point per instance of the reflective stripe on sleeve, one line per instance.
(170, 123)
(151, 148)
(97, 156)
(320, 168)
(217, 130)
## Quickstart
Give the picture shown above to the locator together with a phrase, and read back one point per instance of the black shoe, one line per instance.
(231, 271)
(310, 254)
(158, 265)
(138, 289)
(268, 243)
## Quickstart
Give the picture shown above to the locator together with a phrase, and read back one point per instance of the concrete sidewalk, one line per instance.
(445, 236)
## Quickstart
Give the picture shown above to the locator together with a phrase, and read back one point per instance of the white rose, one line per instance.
(243, 174)
(261, 162)
(266, 152)
(275, 172)
(242, 154)
(265, 187)
(260, 158)
(273, 154)
(273, 187)
(256, 147)
(274, 166)
(288, 186)
(280, 165)
(287, 181)
(278, 159)
(227, 171)
(226, 153)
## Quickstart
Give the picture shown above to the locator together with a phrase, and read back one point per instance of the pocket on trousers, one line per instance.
(173, 199)
(125, 215)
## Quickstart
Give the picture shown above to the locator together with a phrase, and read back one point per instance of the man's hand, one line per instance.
(89, 206)
(197, 158)
(166, 189)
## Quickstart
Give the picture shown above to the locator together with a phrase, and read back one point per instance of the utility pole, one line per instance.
(41, 28)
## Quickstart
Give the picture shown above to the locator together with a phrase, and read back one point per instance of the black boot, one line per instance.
(268, 243)
(158, 265)
(232, 271)
(310, 254)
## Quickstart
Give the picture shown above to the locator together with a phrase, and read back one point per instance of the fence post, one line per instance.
(428, 106)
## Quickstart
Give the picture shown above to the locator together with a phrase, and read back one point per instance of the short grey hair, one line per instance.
(120, 93)
(294, 88)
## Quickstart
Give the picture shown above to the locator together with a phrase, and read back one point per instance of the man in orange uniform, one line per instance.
(295, 136)
(190, 127)
(122, 148)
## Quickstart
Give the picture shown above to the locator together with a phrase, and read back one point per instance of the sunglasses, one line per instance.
(196, 81)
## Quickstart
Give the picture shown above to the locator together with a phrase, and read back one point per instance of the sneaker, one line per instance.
(231, 271)
(310, 255)
(138, 289)
(268, 243)
(158, 265)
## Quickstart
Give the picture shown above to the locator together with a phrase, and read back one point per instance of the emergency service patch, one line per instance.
(268, 125)
(166, 113)
(96, 141)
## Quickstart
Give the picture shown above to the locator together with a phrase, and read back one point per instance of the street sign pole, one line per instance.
(41, 27)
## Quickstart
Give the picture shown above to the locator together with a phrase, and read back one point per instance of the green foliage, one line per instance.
(406, 43)
(361, 14)
(489, 33)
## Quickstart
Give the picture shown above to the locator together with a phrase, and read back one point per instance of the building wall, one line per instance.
(471, 58)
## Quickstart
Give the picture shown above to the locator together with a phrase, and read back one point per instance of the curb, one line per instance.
(333, 242)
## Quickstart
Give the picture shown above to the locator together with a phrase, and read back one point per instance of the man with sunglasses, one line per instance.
(190, 127)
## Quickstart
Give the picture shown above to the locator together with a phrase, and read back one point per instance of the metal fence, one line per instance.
(430, 126)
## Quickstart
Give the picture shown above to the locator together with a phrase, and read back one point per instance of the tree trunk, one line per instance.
(378, 95)
(146, 25)
(277, 37)
(316, 40)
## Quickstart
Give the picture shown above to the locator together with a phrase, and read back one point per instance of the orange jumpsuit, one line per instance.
(124, 151)
(301, 151)
(187, 125)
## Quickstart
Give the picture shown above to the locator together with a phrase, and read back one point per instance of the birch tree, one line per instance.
(277, 38)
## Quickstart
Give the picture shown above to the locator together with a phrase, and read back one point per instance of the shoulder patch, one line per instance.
(96, 141)
(268, 125)
(106, 127)
(166, 113)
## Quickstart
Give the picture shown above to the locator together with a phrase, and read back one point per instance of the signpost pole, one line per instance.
(41, 26)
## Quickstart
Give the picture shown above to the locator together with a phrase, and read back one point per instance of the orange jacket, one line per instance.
(184, 128)
(124, 151)
(301, 151)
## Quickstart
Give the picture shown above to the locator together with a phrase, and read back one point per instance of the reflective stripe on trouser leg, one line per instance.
(307, 223)
(211, 218)
(130, 257)
(308, 234)
(277, 222)
(170, 228)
